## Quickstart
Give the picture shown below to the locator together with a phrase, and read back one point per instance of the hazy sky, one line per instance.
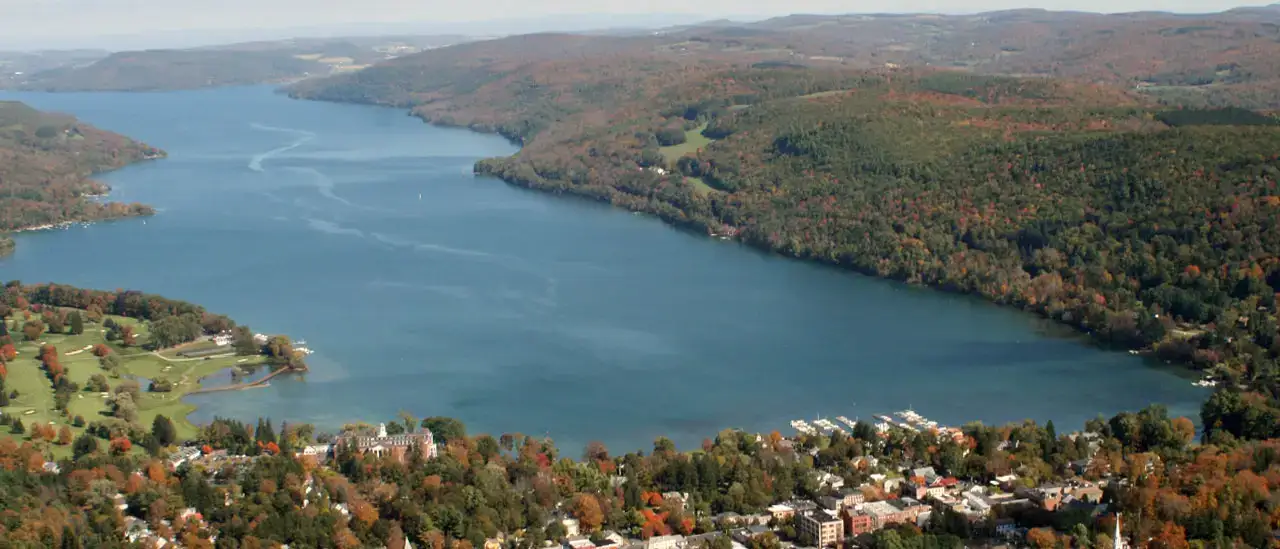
(43, 23)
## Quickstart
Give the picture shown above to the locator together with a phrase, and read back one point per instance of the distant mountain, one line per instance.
(192, 38)
(224, 65)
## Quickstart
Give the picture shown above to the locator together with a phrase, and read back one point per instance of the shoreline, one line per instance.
(100, 199)
(71, 223)
(486, 167)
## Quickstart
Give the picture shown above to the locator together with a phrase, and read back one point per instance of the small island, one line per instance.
(116, 363)
(47, 162)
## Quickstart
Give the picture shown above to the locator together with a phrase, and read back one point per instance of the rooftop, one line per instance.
(880, 508)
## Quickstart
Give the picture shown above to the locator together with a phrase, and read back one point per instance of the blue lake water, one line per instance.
(426, 289)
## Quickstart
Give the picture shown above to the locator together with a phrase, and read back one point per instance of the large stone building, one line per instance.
(398, 446)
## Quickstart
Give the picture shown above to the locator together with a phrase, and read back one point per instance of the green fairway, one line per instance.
(35, 401)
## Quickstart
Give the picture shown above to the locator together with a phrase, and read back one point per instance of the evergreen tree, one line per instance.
(163, 430)
(151, 445)
(631, 494)
(18, 428)
(285, 447)
(77, 323)
(84, 445)
(264, 433)
(1050, 446)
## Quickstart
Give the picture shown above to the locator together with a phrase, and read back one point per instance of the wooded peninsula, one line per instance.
(46, 164)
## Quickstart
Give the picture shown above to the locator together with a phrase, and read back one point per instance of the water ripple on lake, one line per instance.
(333, 228)
(255, 163)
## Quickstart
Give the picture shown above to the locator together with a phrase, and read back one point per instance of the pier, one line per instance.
(906, 420)
(265, 381)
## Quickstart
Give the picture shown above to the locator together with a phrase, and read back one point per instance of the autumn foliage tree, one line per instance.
(32, 330)
(1042, 538)
(586, 508)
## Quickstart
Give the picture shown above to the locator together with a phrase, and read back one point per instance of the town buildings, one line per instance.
(820, 527)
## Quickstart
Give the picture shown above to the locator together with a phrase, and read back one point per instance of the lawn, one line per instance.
(693, 141)
(699, 186)
(35, 402)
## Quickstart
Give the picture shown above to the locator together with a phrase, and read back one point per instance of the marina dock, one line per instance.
(907, 420)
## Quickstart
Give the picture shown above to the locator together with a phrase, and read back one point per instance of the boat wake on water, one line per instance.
(324, 186)
(304, 136)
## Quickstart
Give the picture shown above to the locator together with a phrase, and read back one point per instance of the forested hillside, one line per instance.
(1221, 59)
(45, 164)
(1150, 227)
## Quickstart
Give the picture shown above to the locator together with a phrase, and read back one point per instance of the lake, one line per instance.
(426, 289)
